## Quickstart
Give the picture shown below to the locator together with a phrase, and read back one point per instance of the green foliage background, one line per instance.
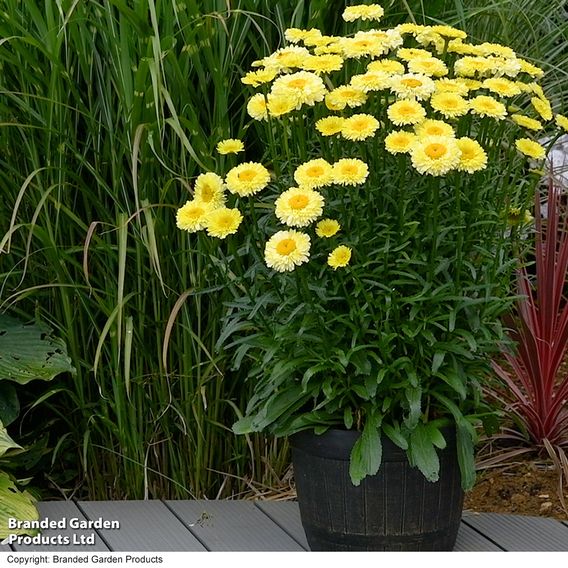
(107, 111)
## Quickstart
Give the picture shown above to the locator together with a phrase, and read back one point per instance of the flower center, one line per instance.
(298, 201)
(195, 212)
(435, 151)
(349, 170)
(247, 175)
(207, 193)
(315, 171)
(297, 83)
(412, 83)
(286, 247)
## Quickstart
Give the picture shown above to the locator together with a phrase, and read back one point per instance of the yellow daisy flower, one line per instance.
(371, 81)
(350, 171)
(222, 222)
(406, 112)
(389, 66)
(330, 125)
(327, 228)
(530, 148)
(518, 217)
(449, 32)
(323, 63)
(431, 66)
(531, 69)
(281, 104)
(408, 53)
(256, 107)
(526, 121)
(299, 206)
(191, 216)
(502, 86)
(542, 106)
(209, 189)
(286, 59)
(399, 142)
(307, 88)
(257, 78)
(562, 121)
(339, 257)
(412, 86)
(435, 155)
(343, 96)
(469, 66)
(359, 127)
(313, 174)
(451, 105)
(287, 249)
(247, 179)
(296, 35)
(430, 127)
(457, 86)
(483, 105)
(230, 146)
(363, 12)
(473, 157)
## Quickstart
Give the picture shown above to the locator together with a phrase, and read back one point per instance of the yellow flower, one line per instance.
(257, 78)
(526, 121)
(286, 59)
(430, 127)
(359, 127)
(435, 155)
(471, 65)
(412, 86)
(247, 179)
(339, 257)
(327, 228)
(295, 35)
(323, 63)
(343, 96)
(531, 69)
(191, 216)
(473, 157)
(387, 66)
(451, 105)
(449, 32)
(363, 12)
(209, 189)
(281, 104)
(399, 141)
(406, 112)
(369, 44)
(256, 107)
(562, 121)
(502, 86)
(222, 222)
(408, 53)
(287, 249)
(457, 86)
(315, 173)
(488, 106)
(431, 66)
(518, 217)
(230, 146)
(350, 171)
(307, 88)
(496, 49)
(542, 106)
(299, 206)
(530, 148)
(330, 125)
(371, 81)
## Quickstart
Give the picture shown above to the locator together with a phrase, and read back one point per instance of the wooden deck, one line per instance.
(162, 526)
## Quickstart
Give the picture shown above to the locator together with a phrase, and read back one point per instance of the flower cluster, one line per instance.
(416, 91)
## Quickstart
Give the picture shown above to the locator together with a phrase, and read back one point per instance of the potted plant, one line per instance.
(367, 239)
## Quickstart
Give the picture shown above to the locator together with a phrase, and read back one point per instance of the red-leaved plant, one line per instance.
(536, 391)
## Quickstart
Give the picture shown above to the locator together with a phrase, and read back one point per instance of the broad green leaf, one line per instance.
(436, 436)
(244, 425)
(423, 453)
(394, 433)
(466, 459)
(366, 454)
(9, 404)
(414, 399)
(348, 418)
(6, 443)
(29, 351)
(15, 504)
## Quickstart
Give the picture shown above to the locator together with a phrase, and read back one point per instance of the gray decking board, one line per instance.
(144, 526)
(286, 514)
(520, 534)
(232, 526)
(469, 540)
(55, 511)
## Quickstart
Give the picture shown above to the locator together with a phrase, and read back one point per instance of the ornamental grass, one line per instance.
(371, 242)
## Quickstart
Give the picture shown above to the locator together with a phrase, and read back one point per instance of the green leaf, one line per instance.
(423, 454)
(348, 418)
(466, 459)
(6, 443)
(15, 504)
(437, 360)
(414, 399)
(394, 433)
(28, 351)
(366, 454)
(436, 436)
(9, 404)
(244, 425)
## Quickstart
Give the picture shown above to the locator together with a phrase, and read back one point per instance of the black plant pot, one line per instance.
(395, 510)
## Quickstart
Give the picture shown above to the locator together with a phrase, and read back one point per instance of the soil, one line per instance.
(524, 487)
